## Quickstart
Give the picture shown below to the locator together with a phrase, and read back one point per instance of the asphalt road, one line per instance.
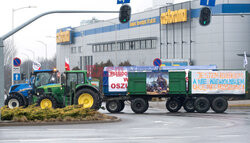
(156, 125)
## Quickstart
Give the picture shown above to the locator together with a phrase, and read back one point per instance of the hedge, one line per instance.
(34, 113)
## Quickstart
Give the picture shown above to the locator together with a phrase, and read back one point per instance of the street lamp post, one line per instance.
(13, 25)
(46, 49)
(32, 53)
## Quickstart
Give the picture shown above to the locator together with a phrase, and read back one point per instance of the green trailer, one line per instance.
(194, 90)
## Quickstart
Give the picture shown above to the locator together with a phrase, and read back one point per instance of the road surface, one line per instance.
(156, 125)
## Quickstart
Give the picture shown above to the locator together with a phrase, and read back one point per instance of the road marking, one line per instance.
(158, 121)
(226, 136)
(71, 129)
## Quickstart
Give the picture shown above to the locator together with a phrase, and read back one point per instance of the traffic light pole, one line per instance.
(231, 14)
(21, 27)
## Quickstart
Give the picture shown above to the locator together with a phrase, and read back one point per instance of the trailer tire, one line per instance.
(113, 106)
(219, 105)
(201, 104)
(122, 105)
(188, 105)
(14, 101)
(139, 105)
(47, 101)
(88, 98)
(173, 105)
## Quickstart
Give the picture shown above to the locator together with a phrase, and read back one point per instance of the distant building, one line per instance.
(154, 34)
(160, 3)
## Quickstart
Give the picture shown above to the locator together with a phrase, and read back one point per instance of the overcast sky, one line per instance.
(46, 27)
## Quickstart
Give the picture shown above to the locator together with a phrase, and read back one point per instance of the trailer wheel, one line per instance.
(88, 98)
(122, 105)
(47, 101)
(219, 104)
(188, 105)
(139, 105)
(113, 106)
(14, 101)
(201, 105)
(173, 105)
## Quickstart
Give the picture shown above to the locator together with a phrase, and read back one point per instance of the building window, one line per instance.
(148, 44)
(132, 45)
(113, 47)
(118, 46)
(126, 45)
(79, 49)
(122, 46)
(105, 47)
(109, 47)
(143, 44)
(101, 48)
(73, 50)
(137, 45)
(153, 44)
(97, 48)
(88, 60)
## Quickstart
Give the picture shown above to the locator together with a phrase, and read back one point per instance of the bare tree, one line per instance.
(9, 50)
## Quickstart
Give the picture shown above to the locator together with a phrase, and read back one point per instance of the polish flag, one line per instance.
(67, 68)
(36, 66)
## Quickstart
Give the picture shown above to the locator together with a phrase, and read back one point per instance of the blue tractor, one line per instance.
(22, 94)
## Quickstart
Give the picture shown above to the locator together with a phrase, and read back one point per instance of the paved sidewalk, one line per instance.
(235, 103)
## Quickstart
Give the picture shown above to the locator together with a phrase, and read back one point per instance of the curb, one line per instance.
(239, 105)
(11, 123)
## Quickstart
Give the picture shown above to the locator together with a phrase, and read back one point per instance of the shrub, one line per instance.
(36, 114)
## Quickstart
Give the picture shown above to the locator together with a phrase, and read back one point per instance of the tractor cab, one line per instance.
(44, 77)
(76, 78)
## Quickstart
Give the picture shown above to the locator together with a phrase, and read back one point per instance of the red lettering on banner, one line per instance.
(125, 79)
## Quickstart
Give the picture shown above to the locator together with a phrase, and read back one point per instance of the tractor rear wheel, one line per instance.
(88, 98)
(113, 106)
(47, 101)
(14, 101)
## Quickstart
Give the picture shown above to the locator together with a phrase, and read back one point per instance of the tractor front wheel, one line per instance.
(14, 101)
(88, 98)
(46, 101)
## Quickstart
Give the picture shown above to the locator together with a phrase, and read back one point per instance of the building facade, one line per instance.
(171, 32)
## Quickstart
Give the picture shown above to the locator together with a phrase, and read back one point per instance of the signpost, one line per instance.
(157, 62)
(16, 62)
(207, 2)
(123, 1)
(16, 70)
(17, 76)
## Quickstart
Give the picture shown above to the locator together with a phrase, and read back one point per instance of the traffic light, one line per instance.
(125, 13)
(23, 76)
(205, 16)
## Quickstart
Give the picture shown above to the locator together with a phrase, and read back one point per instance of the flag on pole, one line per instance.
(36, 65)
(67, 68)
(245, 59)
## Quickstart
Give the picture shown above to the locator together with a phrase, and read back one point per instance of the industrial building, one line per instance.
(171, 33)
